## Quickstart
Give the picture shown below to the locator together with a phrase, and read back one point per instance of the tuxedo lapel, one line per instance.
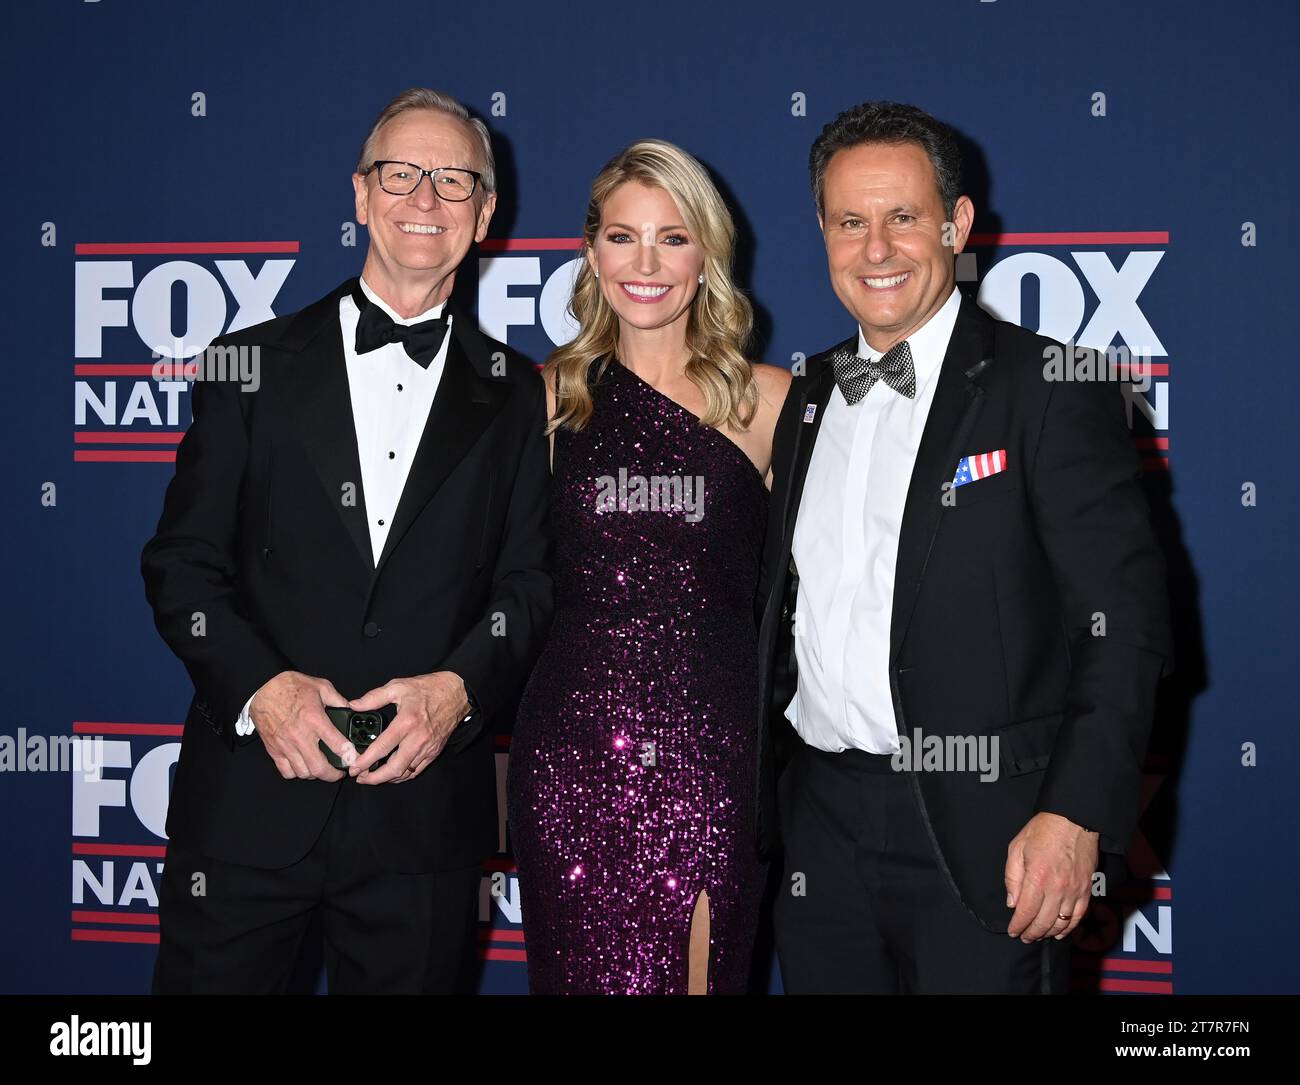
(320, 407)
(817, 392)
(956, 404)
(468, 398)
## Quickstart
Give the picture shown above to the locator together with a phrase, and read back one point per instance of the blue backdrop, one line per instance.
(176, 169)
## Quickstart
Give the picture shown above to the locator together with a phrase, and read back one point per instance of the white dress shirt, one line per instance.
(391, 396)
(845, 548)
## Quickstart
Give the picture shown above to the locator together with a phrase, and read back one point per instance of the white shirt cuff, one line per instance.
(244, 725)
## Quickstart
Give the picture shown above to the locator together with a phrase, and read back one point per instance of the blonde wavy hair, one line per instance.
(720, 318)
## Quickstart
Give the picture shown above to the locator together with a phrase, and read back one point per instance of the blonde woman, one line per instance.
(632, 768)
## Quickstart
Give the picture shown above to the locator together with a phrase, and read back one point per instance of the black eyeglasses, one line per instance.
(402, 178)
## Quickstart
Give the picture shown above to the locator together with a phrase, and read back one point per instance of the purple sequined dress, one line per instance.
(631, 780)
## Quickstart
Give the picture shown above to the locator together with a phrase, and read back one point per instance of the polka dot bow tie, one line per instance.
(855, 375)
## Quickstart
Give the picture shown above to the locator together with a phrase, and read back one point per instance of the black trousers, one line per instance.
(864, 907)
(228, 929)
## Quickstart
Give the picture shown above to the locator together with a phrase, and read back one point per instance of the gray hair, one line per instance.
(424, 98)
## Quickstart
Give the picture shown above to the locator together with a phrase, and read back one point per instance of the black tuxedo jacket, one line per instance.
(259, 538)
(996, 593)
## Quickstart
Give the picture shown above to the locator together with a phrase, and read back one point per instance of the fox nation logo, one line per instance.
(141, 310)
(119, 838)
(119, 844)
(1085, 289)
(524, 289)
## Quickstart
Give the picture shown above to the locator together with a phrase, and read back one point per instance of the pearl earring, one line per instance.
(701, 278)
(597, 274)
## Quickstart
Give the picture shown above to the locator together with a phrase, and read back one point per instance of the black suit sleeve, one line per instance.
(1094, 523)
(782, 454)
(189, 565)
(496, 656)
(775, 573)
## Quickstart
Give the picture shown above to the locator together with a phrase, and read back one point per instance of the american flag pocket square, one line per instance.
(974, 468)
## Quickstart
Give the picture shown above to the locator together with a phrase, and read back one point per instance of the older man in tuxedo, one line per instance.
(363, 530)
(965, 550)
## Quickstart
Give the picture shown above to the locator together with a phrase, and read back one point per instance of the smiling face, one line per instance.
(421, 238)
(649, 263)
(883, 226)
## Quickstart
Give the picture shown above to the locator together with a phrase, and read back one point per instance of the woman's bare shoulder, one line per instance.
(773, 381)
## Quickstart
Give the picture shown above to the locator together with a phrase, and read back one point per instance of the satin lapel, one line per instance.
(467, 400)
(321, 406)
(956, 405)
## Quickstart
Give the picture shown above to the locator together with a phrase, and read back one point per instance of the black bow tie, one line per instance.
(375, 328)
(855, 375)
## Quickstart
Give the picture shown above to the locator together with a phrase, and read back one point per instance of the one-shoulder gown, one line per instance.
(630, 787)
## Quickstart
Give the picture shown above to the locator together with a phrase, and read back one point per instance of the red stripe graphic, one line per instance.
(138, 851)
(120, 369)
(123, 455)
(1145, 987)
(493, 953)
(529, 244)
(83, 728)
(80, 935)
(1117, 964)
(1095, 237)
(195, 248)
(1046, 237)
(126, 436)
(1151, 442)
(500, 936)
(1143, 893)
(139, 919)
